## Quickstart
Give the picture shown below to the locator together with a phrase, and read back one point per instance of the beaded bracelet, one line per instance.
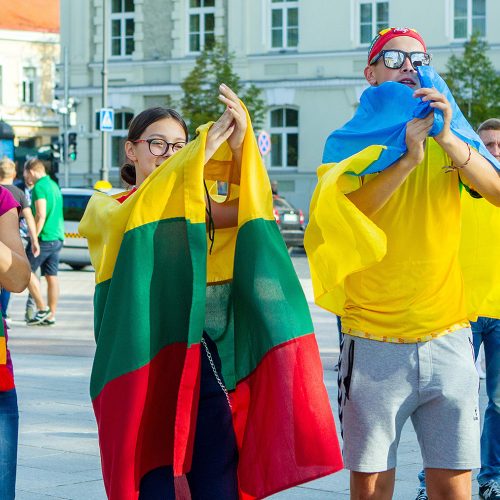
(450, 168)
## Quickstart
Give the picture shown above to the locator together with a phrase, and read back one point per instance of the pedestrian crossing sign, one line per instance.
(107, 120)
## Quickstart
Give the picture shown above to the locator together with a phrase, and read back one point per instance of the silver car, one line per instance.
(75, 251)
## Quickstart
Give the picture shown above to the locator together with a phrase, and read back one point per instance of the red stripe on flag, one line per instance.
(135, 414)
(187, 410)
(283, 421)
(6, 379)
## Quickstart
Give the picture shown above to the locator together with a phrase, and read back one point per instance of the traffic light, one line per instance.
(72, 146)
(55, 149)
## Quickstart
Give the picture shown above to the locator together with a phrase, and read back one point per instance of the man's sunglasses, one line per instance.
(394, 59)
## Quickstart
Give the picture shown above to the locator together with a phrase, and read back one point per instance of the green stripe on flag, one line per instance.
(146, 305)
(269, 305)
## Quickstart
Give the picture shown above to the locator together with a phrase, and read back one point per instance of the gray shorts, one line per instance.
(434, 383)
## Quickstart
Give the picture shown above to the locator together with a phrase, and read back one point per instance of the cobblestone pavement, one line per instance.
(58, 450)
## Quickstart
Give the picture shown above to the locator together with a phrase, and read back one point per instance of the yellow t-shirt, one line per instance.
(415, 293)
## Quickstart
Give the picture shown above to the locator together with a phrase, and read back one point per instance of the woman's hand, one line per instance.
(219, 132)
(230, 99)
(230, 127)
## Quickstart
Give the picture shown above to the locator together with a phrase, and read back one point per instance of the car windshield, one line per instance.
(74, 205)
(281, 203)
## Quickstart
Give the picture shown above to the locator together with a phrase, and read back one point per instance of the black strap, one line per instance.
(211, 224)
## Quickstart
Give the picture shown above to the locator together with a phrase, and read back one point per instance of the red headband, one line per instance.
(388, 34)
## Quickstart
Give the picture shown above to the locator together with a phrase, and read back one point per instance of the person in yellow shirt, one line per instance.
(407, 349)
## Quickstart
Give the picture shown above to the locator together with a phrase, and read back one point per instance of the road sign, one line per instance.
(107, 120)
(264, 142)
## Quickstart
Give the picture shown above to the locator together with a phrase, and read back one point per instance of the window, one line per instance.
(373, 17)
(28, 86)
(284, 137)
(201, 24)
(74, 206)
(469, 17)
(284, 24)
(119, 136)
(122, 27)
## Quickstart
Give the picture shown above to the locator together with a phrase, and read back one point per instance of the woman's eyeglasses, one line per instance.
(159, 147)
(394, 59)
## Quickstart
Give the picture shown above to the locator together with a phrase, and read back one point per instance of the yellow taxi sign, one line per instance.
(102, 185)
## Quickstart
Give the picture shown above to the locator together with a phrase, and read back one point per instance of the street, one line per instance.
(58, 450)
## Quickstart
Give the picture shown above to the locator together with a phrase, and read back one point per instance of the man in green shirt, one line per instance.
(47, 207)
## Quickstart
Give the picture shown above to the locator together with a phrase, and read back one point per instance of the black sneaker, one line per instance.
(39, 318)
(490, 490)
(422, 494)
(48, 322)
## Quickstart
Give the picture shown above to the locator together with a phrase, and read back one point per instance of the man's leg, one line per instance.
(52, 293)
(49, 269)
(445, 484)
(372, 486)
(34, 284)
(490, 437)
(378, 391)
(447, 421)
(36, 292)
(30, 303)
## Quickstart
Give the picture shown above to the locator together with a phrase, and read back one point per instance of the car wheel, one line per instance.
(77, 267)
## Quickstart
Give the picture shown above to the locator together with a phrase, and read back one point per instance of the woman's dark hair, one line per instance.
(139, 124)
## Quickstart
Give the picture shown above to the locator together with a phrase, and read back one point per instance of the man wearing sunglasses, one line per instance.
(407, 346)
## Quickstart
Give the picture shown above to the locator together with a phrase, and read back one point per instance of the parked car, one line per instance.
(75, 250)
(290, 220)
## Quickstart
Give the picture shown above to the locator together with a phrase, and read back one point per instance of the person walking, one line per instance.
(27, 225)
(47, 207)
(382, 242)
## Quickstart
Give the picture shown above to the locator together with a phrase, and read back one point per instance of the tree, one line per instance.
(474, 83)
(201, 88)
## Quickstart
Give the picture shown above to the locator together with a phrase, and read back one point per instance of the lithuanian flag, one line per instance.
(152, 304)
(6, 378)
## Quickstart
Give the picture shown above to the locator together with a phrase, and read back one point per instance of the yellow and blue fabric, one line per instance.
(381, 119)
(395, 276)
(480, 257)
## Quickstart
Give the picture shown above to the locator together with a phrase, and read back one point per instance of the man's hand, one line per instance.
(438, 101)
(35, 247)
(417, 131)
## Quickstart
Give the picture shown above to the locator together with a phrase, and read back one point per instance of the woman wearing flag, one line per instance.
(207, 380)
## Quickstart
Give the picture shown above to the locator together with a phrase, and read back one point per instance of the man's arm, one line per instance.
(30, 222)
(373, 195)
(478, 174)
(41, 214)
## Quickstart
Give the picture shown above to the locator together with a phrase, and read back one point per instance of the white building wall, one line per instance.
(322, 78)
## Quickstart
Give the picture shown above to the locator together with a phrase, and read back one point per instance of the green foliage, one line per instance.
(201, 88)
(474, 83)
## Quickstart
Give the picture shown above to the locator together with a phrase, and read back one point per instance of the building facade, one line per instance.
(306, 56)
(29, 52)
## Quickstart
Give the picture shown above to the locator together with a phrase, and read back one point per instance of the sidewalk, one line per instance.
(58, 450)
